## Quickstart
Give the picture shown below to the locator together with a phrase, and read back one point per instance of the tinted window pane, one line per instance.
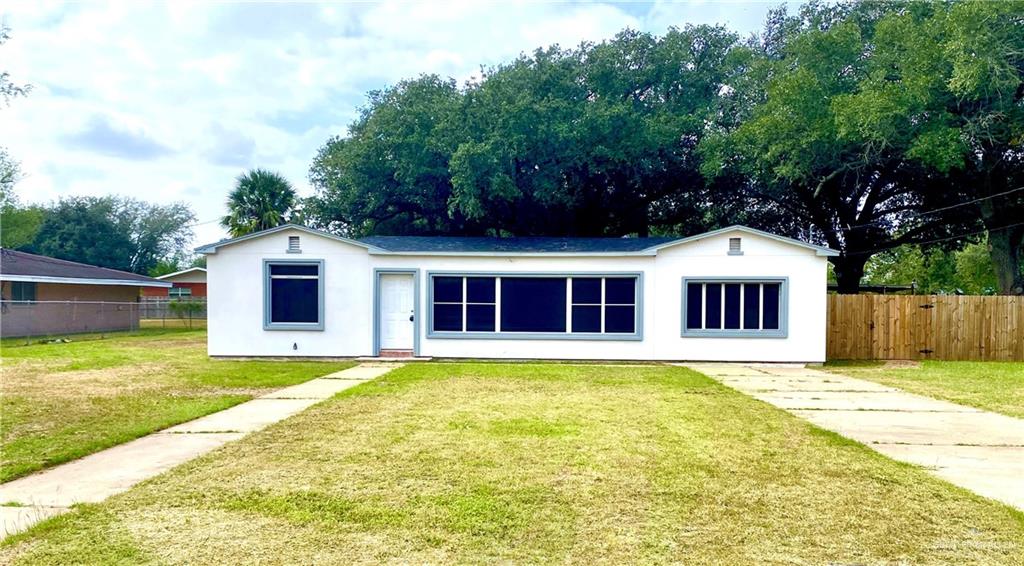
(532, 304)
(732, 306)
(586, 290)
(619, 319)
(447, 289)
(294, 300)
(480, 318)
(448, 317)
(23, 291)
(480, 290)
(751, 306)
(713, 306)
(619, 291)
(771, 306)
(288, 269)
(586, 319)
(693, 304)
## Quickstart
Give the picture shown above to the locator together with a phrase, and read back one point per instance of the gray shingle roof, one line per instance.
(449, 244)
(31, 265)
(427, 245)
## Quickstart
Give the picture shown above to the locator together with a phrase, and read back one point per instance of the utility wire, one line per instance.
(943, 209)
(937, 240)
(202, 223)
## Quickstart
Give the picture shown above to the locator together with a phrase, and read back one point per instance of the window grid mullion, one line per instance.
(568, 305)
(465, 298)
(760, 306)
(497, 304)
(743, 314)
(721, 305)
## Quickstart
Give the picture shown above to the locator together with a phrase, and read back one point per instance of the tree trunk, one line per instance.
(849, 271)
(1004, 245)
(1004, 249)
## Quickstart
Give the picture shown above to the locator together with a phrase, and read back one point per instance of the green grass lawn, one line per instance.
(61, 401)
(536, 463)
(993, 386)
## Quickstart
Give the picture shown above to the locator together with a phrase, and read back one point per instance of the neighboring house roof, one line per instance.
(451, 245)
(182, 272)
(32, 268)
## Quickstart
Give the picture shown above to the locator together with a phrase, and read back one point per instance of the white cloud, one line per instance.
(229, 147)
(101, 135)
(172, 101)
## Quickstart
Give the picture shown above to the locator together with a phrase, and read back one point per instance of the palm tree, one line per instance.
(261, 199)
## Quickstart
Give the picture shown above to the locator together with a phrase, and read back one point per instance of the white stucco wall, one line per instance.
(234, 286)
(235, 289)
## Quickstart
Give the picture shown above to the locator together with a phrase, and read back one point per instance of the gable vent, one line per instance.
(735, 246)
(293, 245)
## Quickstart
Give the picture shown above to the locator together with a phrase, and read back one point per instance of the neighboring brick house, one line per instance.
(42, 295)
(188, 283)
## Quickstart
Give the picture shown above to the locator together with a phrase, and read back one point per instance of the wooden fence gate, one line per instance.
(916, 327)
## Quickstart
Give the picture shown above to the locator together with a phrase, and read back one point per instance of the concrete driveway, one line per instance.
(974, 449)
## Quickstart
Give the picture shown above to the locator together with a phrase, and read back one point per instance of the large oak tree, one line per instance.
(595, 140)
(865, 126)
(859, 194)
(945, 86)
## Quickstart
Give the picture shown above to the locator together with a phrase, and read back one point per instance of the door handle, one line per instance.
(411, 317)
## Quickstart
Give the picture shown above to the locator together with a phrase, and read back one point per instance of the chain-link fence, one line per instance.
(56, 318)
(173, 311)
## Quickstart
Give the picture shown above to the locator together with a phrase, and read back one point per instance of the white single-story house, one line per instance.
(734, 294)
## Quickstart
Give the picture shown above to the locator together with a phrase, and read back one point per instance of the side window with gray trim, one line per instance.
(294, 295)
(734, 307)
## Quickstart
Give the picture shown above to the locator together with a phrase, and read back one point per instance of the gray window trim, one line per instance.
(415, 272)
(781, 332)
(267, 324)
(477, 335)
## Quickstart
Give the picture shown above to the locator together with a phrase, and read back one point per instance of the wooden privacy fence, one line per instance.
(925, 327)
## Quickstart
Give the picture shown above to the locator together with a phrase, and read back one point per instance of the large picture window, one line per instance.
(535, 306)
(294, 295)
(741, 308)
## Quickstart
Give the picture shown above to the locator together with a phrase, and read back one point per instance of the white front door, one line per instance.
(396, 311)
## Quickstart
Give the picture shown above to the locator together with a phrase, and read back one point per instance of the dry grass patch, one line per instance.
(443, 463)
(60, 401)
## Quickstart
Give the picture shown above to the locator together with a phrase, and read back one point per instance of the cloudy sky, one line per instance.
(169, 102)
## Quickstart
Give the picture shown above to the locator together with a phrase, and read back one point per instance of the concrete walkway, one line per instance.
(98, 476)
(974, 449)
